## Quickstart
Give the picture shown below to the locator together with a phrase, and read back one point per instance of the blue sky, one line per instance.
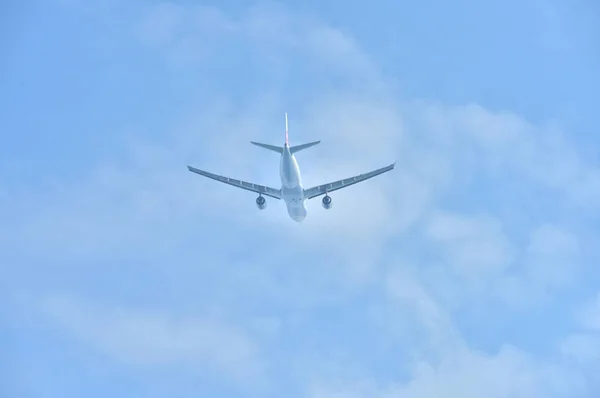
(468, 271)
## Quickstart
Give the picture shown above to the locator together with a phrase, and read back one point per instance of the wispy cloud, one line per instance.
(159, 339)
(443, 363)
(590, 314)
(485, 212)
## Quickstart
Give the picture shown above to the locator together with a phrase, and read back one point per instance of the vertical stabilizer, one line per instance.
(287, 142)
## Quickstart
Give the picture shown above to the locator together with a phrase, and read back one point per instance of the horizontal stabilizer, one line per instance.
(273, 148)
(298, 148)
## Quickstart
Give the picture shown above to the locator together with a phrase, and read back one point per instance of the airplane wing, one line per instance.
(261, 189)
(334, 186)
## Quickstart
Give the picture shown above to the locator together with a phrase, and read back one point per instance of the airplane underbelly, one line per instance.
(293, 195)
(290, 179)
(289, 182)
(290, 173)
(297, 211)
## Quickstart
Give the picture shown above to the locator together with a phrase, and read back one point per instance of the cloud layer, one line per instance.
(466, 272)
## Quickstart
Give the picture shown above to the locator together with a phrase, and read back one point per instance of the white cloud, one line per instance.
(476, 245)
(584, 347)
(589, 315)
(404, 288)
(464, 257)
(505, 142)
(509, 373)
(151, 338)
(366, 132)
(184, 33)
(552, 257)
(443, 364)
(548, 240)
(150, 197)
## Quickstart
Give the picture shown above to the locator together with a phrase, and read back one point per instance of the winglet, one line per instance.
(287, 142)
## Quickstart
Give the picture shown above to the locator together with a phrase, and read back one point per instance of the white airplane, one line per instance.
(292, 191)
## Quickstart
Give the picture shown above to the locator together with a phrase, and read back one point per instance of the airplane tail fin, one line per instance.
(287, 141)
(293, 149)
(273, 148)
(298, 148)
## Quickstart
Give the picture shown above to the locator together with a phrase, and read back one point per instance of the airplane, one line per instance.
(292, 191)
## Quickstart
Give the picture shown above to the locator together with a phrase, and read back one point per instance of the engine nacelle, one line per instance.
(327, 202)
(261, 203)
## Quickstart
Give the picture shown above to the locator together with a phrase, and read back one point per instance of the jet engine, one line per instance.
(261, 202)
(327, 202)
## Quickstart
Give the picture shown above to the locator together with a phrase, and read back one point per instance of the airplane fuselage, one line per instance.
(292, 191)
